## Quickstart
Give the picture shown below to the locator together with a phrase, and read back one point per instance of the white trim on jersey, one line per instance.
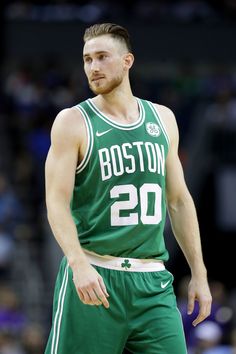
(159, 120)
(115, 124)
(90, 142)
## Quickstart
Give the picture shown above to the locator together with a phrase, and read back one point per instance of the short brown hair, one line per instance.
(112, 29)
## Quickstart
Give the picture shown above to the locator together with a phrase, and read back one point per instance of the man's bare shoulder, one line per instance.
(68, 123)
(69, 119)
(166, 113)
(168, 118)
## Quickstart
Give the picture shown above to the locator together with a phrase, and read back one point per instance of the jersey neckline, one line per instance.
(115, 124)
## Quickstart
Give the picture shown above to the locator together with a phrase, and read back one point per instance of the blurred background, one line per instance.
(185, 58)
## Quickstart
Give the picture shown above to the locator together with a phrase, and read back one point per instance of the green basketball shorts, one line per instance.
(142, 318)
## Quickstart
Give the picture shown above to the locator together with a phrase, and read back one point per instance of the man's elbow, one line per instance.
(178, 201)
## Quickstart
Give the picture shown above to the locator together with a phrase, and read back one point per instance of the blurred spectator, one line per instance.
(9, 344)
(232, 302)
(208, 335)
(12, 318)
(222, 349)
(33, 339)
(23, 93)
(7, 246)
(222, 112)
(233, 341)
(37, 142)
(179, 10)
(88, 12)
(11, 211)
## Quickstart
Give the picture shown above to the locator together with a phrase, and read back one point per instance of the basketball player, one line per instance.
(112, 169)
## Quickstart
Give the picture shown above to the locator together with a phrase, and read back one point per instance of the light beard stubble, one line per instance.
(108, 88)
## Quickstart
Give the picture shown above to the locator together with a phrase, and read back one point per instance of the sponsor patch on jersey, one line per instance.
(153, 129)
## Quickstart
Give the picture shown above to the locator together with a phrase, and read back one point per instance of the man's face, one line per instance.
(104, 63)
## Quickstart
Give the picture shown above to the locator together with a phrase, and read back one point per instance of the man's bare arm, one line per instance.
(66, 139)
(184, 223)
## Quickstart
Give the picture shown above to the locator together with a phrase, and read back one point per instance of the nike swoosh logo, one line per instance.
(102, 133)
(164, 285)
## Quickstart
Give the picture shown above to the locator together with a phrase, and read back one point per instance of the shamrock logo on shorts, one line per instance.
(126, 264)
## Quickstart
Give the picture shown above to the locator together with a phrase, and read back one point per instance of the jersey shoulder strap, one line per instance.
(152, 110)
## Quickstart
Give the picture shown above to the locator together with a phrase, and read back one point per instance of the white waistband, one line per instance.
(125, 264)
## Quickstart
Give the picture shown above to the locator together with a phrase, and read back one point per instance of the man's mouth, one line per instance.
(96, 78)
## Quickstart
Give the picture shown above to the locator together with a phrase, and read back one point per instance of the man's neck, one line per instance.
(118, 105)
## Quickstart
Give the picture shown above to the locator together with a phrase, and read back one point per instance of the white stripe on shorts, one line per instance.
(124, 264)
(58, 316)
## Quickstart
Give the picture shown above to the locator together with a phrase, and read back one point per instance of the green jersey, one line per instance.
(119, 200)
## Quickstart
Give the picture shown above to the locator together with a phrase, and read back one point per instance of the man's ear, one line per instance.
(128, 60)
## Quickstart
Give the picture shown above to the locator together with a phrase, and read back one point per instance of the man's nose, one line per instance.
(95, 66)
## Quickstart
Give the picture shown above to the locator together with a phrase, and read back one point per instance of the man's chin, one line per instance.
(100, 90)
(106, 88)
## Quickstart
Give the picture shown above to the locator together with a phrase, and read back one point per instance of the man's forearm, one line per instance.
(186, 230)
(65, 232)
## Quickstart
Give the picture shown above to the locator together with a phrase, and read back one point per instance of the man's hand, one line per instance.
(198, 290)
(89, 285)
